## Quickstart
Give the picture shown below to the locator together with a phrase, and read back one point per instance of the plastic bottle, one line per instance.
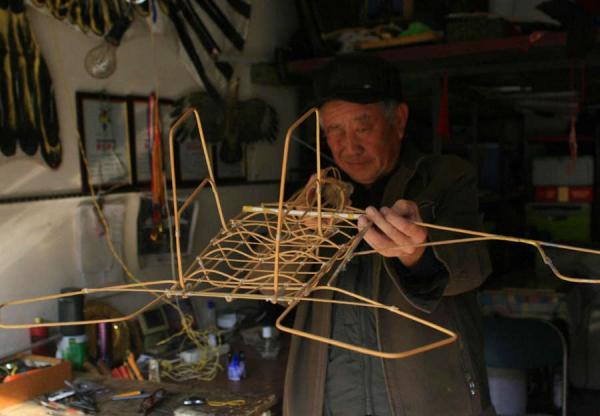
(242, 364)
(207, 318)
(269, 347)
(233, 369)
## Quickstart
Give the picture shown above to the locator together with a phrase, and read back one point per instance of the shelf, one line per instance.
(535, 51)
(559, 139)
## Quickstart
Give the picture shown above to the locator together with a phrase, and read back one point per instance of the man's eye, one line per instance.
(334, 132)
(363, 130)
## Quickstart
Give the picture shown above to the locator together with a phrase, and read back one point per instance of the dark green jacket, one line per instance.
(447, 381)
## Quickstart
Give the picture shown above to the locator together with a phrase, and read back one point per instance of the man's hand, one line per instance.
(394, 233)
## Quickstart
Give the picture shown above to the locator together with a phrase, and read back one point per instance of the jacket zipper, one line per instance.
(366, 374)
(378, 336)
(377, 279)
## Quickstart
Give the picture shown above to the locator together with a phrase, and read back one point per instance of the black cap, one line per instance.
(359, 78)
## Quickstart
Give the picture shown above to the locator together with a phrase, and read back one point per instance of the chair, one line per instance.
(522, 344)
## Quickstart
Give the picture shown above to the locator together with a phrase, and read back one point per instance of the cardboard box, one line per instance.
(562, 171)
(559, 222)
(35, 382)
(564, 194)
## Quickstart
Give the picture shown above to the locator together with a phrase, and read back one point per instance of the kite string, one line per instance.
(212, 362)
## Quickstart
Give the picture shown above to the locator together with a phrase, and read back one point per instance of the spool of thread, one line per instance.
(71, 309)
(104, 332)
(37, 334)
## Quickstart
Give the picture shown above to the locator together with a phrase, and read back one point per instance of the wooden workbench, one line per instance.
(262, 391)
(255, 403)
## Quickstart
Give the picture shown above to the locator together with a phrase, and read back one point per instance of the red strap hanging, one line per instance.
(443, 122)
(156, 165)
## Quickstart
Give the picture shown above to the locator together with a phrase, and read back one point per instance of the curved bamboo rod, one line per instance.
(280, 214)
(366, 302)
(211, 180)
(84, 322)
(478, 236)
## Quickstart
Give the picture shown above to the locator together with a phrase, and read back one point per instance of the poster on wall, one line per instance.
(104, 131)
(96, 262)
(192, 162)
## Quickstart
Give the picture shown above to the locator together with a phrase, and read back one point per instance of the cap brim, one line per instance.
(358, 97)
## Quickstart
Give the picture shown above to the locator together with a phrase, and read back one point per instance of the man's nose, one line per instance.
(353, 144)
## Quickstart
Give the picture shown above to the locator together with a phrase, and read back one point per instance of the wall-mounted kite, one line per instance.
(28, 117)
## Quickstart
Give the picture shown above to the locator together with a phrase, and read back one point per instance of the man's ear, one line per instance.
(401, 114)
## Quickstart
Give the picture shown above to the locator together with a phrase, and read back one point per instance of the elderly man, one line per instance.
(364, 120)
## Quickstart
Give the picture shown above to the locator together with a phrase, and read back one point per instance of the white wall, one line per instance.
(37, 243)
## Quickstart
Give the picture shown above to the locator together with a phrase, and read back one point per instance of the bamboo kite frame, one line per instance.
(265, 252)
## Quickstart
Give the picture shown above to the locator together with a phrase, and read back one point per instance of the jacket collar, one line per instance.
(410, 157)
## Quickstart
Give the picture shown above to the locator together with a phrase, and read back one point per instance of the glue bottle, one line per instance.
(242, 364)
(233, 369)
(269, 347)
(206, 314)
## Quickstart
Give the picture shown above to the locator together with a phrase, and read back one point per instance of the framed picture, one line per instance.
(103, 127)
(230, 172)
(192, 162)
(190, 165)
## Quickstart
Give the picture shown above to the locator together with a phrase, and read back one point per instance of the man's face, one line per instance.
(364, 142)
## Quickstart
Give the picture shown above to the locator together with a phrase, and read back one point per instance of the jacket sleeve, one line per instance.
(450, 199)
(424, 282)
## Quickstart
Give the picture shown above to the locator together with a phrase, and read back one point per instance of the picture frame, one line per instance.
(190, 166)
(138, 110)
(103, 125)
(191, 162)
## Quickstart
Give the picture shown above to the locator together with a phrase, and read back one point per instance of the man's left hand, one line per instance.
(394, 233)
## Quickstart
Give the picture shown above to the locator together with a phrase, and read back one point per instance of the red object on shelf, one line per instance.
(590, 6)
(443, 124)
(564, 194)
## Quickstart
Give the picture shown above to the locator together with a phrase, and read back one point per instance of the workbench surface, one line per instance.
(261, 390)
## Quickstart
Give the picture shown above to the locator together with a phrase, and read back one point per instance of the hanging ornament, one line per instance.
(443, 123)
(156, 167)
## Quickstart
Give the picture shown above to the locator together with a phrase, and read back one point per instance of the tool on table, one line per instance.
(140, 394)
(60, 395)
(199, 401)
(193, 401)
(128, 394)
(60, 409)
(152, 401)
(84, 399)
(134, 367)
